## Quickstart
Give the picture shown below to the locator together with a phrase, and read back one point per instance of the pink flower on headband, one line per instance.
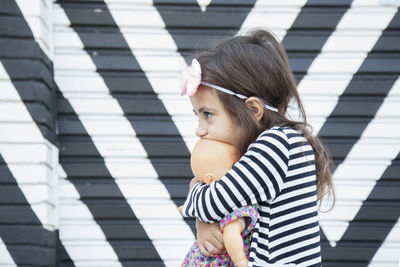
(191, 78)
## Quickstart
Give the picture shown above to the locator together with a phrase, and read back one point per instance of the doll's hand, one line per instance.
(209, 238)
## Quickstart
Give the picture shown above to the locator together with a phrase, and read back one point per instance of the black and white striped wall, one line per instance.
(95, 141)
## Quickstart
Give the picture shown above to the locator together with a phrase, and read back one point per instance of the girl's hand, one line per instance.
(209, 238)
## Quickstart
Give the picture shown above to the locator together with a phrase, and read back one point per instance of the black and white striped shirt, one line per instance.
(278, 174)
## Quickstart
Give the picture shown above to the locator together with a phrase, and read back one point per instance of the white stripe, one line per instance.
(5, 258)
(80, 235)
(22, 144)
(338, 59)
(348, 168)
(275, 15)
(37, 15)
(389, 251)
(120, 167)
(127, 20)
(290, 248)
(255, 182)
(292, 226)
(291, 216)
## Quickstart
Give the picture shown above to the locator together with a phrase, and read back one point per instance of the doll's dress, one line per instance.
(194, 256)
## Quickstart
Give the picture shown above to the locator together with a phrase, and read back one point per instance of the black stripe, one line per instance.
(268, 174)
(309, 257)
(292, 231)
(297, 187)
(220, 20)
(309, 14)
(204, 204)
(190, 201)
(230, 194)
(300, 175)
(298, 144)
(293, 220)
(87, 173)
(259, 179)
(271, 160)
(294, 241)
(239, 187)
(271, 145)
(25, 62)
(301, 165)
(263, 224)
(334, 126)
(293, 199)
(339, 124)
(260, 244)
(215, 207)
(262, 256)
(21, 230)
(294, 209)
(223, 202)
(277, 151)
(296, 251)
(301, 154)
(369, 207)
(250, 185)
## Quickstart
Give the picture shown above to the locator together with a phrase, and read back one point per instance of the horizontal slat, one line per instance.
(159, 126)
(27, 235)
(28, 69)
(40, 172)
(17, 214)
(168, 169)
(154, 39)
(351, 106)
(38, 193)
(332, 63)
(33, 255)
(373, 211)
(128, 250)
(353, 252)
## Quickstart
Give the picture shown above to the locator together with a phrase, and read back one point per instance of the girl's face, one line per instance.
(214, 120)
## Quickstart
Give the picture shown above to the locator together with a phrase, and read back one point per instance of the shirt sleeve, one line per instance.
(257, 177)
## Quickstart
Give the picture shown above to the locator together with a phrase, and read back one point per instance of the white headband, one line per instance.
(222, 89)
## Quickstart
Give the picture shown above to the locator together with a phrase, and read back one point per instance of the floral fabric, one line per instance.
(194, 256)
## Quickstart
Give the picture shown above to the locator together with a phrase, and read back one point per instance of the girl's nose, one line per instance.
(200, 131)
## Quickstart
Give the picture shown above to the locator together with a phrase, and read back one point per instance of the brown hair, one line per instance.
(256, 64)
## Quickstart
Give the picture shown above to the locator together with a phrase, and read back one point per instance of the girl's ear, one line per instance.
(256, 106)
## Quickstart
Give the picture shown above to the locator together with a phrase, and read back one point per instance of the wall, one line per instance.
(95, 141)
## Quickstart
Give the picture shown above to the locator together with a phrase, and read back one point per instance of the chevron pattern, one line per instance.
(95, 141)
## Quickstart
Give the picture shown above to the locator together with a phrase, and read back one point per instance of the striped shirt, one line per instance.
(278, 174)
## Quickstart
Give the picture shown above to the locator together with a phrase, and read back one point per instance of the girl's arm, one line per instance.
(257, 177)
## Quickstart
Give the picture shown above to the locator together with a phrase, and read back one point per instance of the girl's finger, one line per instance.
(212, 249)
(218, 243)
(204, 251)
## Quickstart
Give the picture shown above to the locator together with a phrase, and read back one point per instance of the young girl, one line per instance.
(240, 91)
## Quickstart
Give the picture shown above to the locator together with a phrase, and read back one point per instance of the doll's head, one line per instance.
(212, 159)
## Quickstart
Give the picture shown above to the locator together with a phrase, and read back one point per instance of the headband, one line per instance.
(191, 80)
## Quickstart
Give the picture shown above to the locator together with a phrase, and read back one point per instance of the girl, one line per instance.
(240, 91)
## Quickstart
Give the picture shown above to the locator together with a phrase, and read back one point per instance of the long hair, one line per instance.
(256, 64)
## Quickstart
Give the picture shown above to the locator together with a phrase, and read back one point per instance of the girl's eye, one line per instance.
(207, 115)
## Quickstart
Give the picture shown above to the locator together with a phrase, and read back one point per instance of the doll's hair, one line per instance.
(256, 64)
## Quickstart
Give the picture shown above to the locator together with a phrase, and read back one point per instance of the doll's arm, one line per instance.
(233, 242)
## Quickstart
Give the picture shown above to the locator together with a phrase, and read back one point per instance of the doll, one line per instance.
(211, 160)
